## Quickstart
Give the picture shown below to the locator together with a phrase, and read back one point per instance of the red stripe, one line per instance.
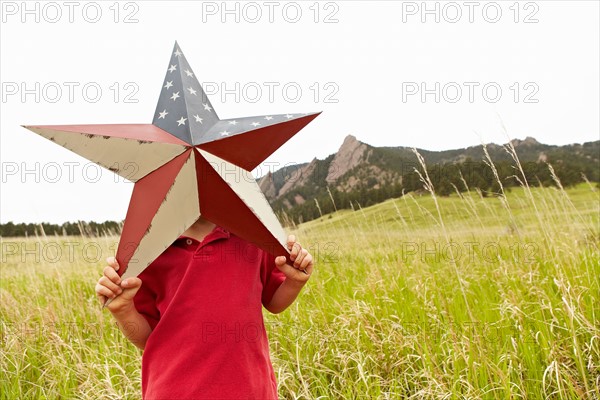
(148, 194)
(222, 206)
(248, 150)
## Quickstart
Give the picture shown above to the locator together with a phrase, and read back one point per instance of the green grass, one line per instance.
(418, 297)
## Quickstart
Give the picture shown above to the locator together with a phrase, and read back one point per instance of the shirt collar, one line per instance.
(217, 233)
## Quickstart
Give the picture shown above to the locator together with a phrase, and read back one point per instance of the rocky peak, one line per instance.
(267, 185)
(299, 178)
(528, 141)
(351, 153)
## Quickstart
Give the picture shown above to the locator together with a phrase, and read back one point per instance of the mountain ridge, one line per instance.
(358, 168)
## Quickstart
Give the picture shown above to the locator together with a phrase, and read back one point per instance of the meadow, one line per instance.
(422, 297)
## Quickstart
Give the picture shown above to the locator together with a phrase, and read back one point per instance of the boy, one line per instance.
(198, 314)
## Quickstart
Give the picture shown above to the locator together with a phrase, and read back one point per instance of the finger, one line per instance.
(309, 268)
(308, 260)
(298, 261)
(296, 248)
(104, 292)
(280, 260)
(104, 281)
(290, 241)
(290, 271)
(131, 287)
(131, 283)
(112, 261)
(111, 274)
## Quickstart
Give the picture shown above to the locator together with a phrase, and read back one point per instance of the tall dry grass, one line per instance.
(422, 297)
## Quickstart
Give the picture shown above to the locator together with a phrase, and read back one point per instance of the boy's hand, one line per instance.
(110, 286)
(302, 259)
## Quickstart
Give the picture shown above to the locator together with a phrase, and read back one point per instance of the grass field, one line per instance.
(420, 297)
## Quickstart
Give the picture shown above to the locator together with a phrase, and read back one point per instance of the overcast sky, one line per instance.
(391, 73)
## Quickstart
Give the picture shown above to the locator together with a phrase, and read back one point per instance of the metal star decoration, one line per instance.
(186, 164)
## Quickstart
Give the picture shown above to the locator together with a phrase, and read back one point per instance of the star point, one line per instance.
(181, 164)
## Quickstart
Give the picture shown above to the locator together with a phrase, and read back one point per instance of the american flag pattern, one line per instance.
(186, 164)
(185, 111)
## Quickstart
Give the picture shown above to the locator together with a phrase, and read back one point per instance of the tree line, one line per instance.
(321, 198)
(79, 228)
(447, 178)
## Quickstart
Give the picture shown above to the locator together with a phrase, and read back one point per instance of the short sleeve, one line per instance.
(271, 277)
(145, 303)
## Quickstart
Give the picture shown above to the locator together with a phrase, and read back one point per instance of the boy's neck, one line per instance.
(199, 229)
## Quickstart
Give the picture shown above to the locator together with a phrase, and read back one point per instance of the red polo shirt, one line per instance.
(203, 301)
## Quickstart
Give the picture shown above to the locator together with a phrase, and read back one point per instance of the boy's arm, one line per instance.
(133, 325)
(296, 276)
